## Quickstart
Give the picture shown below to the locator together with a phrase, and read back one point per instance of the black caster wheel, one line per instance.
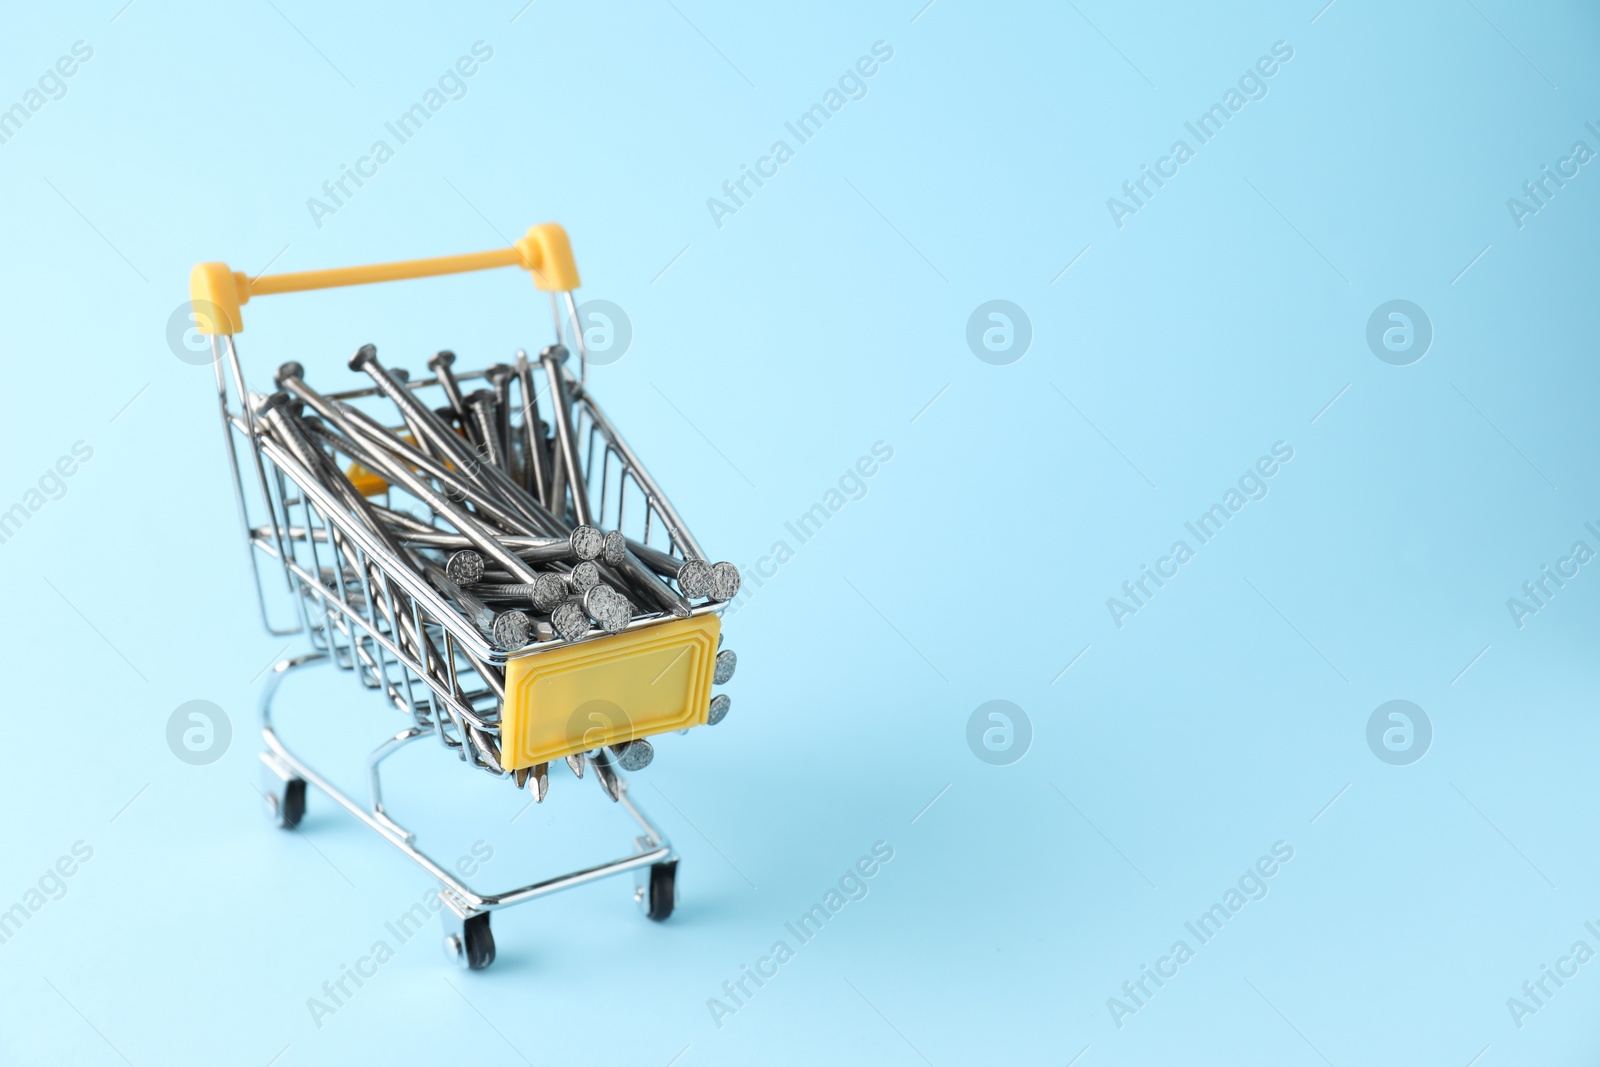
(659, 895)
(286, 803)
(469, 942)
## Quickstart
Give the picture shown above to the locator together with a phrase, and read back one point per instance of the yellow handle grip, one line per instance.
(216, 292)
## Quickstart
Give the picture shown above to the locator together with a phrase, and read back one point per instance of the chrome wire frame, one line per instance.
(651, 846)
(368, 612)
(616, 479)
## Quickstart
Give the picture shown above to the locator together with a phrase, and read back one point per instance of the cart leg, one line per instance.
(283, 792)
(655, 888)
(467, 939)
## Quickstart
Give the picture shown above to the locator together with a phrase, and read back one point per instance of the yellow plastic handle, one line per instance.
(216, 292)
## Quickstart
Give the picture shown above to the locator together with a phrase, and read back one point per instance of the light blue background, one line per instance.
(829, 313)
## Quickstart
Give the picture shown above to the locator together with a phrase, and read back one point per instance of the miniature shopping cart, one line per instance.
(508, 706)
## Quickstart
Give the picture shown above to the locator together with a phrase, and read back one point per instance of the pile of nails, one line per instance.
(501, 524)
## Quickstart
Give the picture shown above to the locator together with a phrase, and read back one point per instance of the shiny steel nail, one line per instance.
(481, 537)
(537, 475)
(464, 567)
(694, 576)
(603, 771)
(610, 610)
(566, 438)
(441, 441)
(544, 593)
(499, 376)
(481, 408)
(539, 775)
(614, 549)
(724, 581)
(634, 755)
(512, 630)
(440, 364)
(569, 620)
(583, 577)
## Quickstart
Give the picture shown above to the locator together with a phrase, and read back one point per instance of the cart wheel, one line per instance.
(471, 945)
(662, 891)
(286, 803)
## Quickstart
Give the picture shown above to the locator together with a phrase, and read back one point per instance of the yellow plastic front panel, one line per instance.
(633, 684)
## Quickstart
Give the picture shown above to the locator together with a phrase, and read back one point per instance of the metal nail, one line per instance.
(555, 500)
(584, 542)
(634, 755)
(694, 576)
(724, 581)
(608, 777)
(719, 709)
(609, 609)
(276, 416)
(511, 630)
(569, 620)
(438, 438)
(418, 419)
(481, 536)
(483, 411)
(587, 542)
(725, 665)
(404, 520)
(566, 438)
(653, 587)
(464, 567)
(499, 376)
(615, 548)
(487, 749)
(440, 364)
(544, 593)
(537, 474)
(583, 577)
(385, 450)
(359, 425)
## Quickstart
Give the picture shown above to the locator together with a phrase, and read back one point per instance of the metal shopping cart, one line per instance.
(507, 698)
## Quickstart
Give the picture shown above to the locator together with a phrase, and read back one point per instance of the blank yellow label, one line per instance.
(575, 698)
